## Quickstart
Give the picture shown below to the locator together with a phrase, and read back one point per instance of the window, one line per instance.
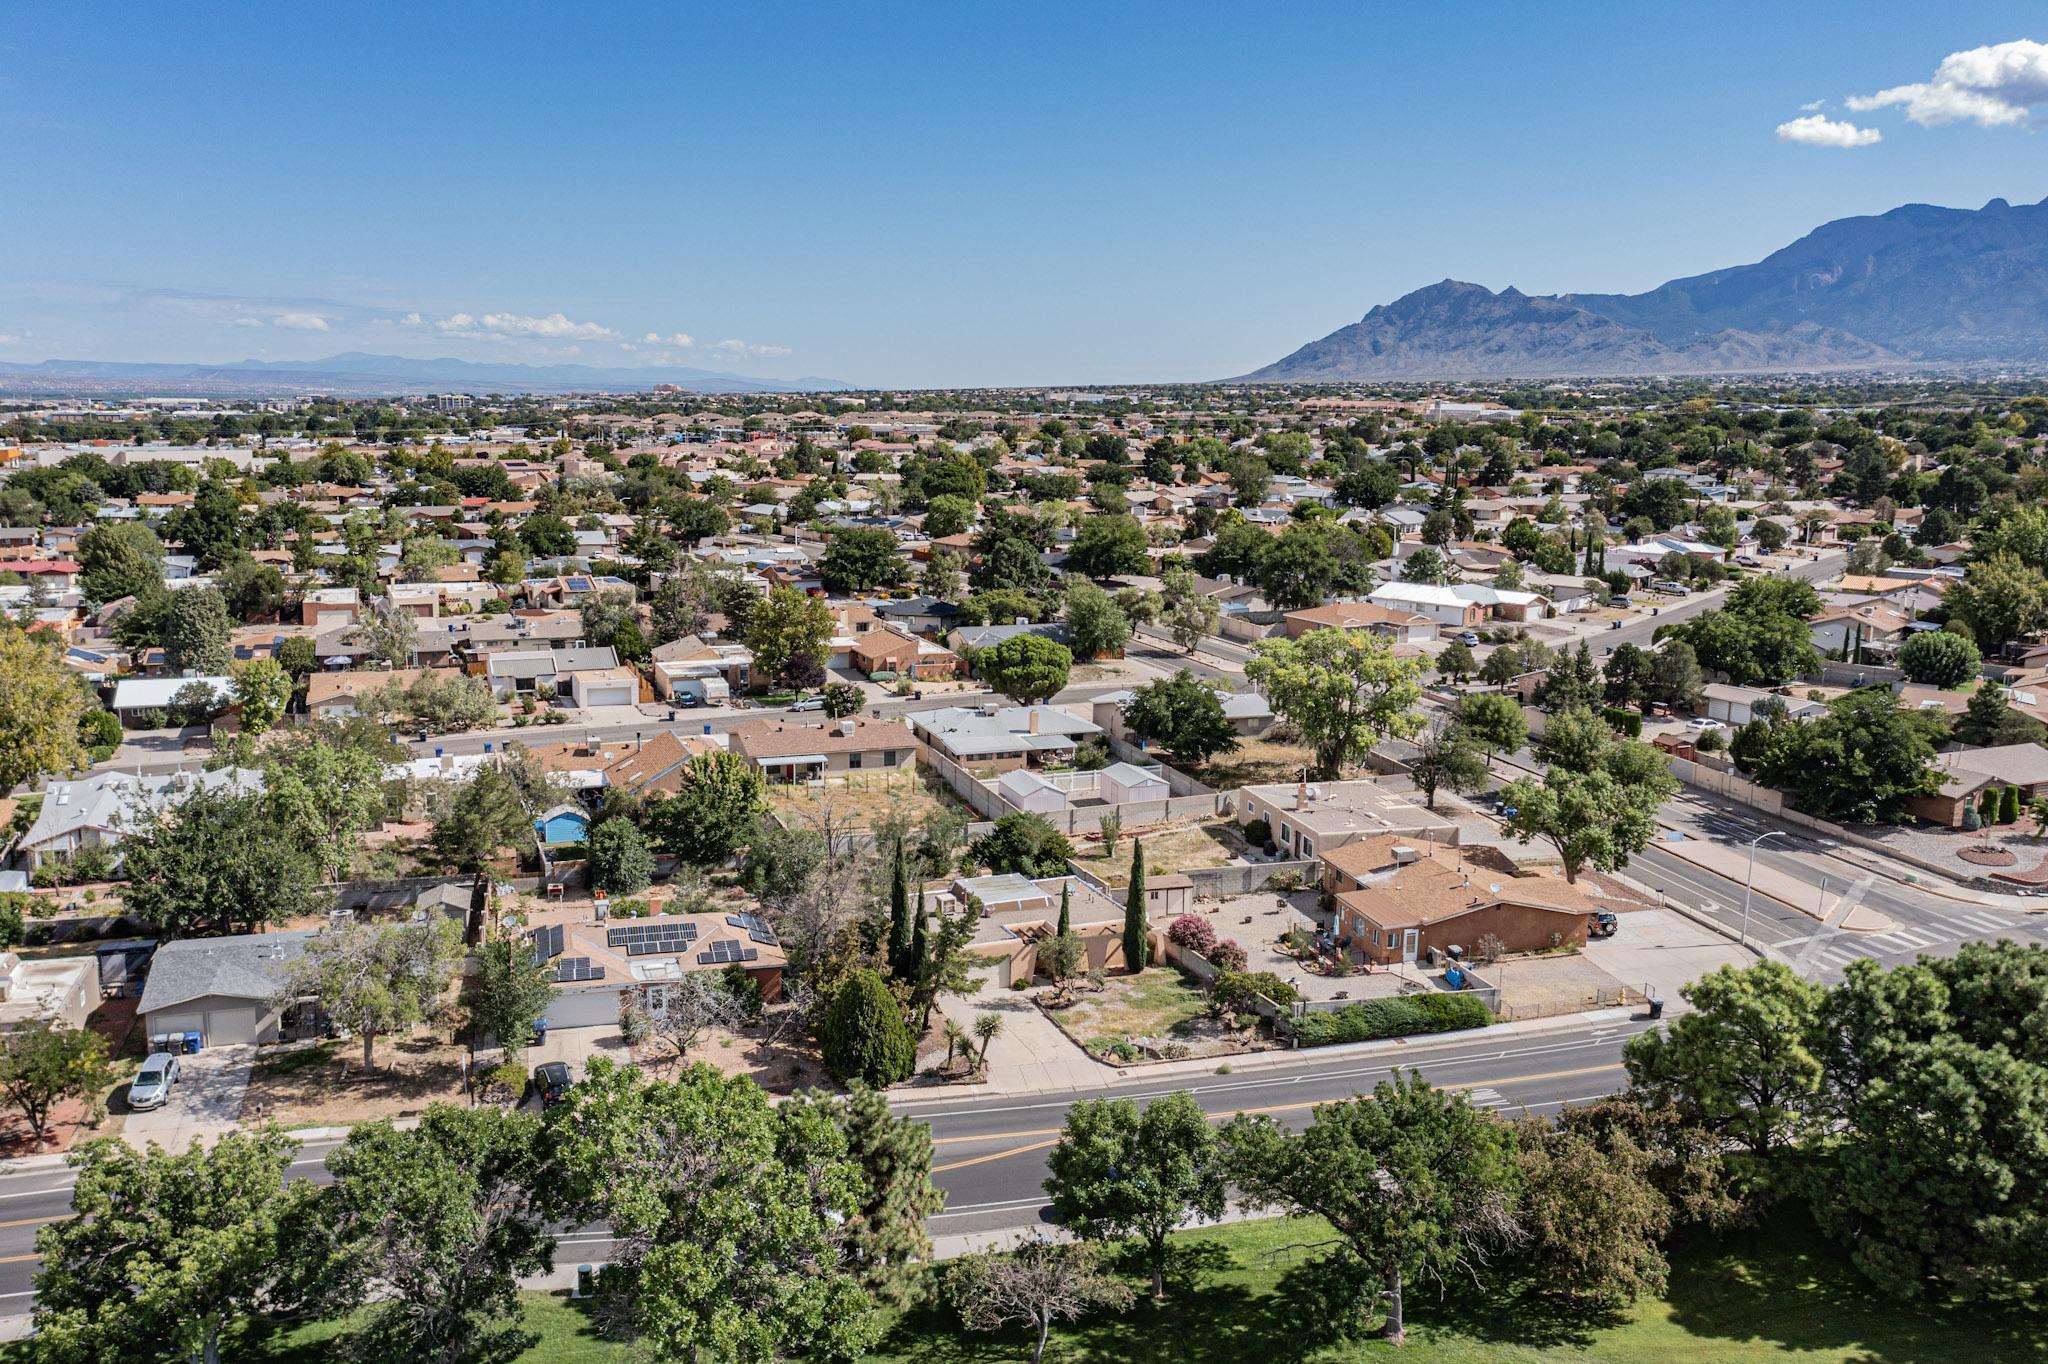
(1306, 848)
(1286, 835)
(890, 757)
(853, 759)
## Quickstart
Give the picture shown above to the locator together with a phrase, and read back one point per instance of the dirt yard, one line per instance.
(779, 1065)
(1257, 762)
(1158, 1015)
(862, 798)
(1177, 849)
(71, 1121)
(321, 1084)
(1545, 985)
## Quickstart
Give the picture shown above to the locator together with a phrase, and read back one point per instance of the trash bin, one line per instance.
(540, 1031)
(159, 1041)
(191, 1043)
(586, 1281)
(1656, 1008)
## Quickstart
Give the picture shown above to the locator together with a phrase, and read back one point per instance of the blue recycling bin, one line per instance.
(191, 1043)
(540, 1031)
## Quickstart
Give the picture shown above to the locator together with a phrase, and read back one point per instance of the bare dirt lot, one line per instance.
(322, 1084)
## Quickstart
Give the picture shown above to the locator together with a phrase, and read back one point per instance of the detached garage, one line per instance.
(224, 989)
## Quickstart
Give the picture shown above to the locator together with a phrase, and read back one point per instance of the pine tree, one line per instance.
(917, 962)
(1066, 908)
(1137, 949)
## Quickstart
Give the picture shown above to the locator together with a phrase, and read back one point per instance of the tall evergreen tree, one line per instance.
(917, 957)
(1137, 950)
(901, 960)
(1066, 908)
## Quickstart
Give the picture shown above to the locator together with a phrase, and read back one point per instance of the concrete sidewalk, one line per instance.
(1732, 865)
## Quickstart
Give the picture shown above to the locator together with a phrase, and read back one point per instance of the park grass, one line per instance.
(1779, 1294)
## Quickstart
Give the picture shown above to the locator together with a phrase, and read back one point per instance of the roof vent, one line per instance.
(846, 726)
(1403, 855)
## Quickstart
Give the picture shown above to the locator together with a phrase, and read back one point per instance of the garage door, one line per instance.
(230, 1027)
(169, 1022)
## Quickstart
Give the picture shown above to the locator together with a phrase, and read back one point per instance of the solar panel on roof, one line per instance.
(720, 953)
(547, 943)
(751, 954)
(765, 936)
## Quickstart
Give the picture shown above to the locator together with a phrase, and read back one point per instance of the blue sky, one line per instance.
(948, 194)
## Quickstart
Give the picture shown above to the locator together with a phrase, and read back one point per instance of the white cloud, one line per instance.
(10, 339)
(749, 349)
(248, 322)
(1817, 131)
(300, 322)
(411, 320)
(1993, 87)
(514, 326)
(1813, 104)
(683, 339)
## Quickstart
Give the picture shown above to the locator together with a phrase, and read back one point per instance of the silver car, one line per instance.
(151, 1087)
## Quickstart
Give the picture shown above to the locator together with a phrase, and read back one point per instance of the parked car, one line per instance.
(1749, 561)
(1469, 639)
(551, 1082)
(1702, 724)
(1668, 585)
(688, 700)
(1620, 602)
(151, 1087)
(806, 703)
(1601, 924)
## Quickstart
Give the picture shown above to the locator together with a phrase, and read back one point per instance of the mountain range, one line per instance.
(1919, 286)
(355, 374)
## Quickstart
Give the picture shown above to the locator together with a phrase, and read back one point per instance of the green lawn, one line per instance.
(1777, 1294)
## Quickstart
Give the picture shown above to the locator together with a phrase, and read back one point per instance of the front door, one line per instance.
(1408, 942)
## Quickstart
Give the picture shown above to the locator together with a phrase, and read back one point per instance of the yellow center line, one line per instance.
(39, 1221)
(17, 1259)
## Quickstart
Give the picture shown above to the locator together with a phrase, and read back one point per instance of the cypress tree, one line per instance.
(919, 959)
(1137, 950)
(1066, 906)
(2009, 805)
(900, 927)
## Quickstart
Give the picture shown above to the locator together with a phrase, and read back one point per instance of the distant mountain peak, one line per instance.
(1920, 283)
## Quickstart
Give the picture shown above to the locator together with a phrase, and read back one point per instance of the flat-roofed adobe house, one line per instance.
(1018, 913)
(1309, 819)
(889, 650)
(1402, 627)
(1397, 899)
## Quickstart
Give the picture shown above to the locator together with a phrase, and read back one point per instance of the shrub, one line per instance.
(1711, 741)
(864, 1037)
(1972, 822)
(1233, 990)
(1284, 881)
(1627, 721)
(1258, 833)
(1227, 955)
(1192, 932)
(2009, 805)
(1400, 1016)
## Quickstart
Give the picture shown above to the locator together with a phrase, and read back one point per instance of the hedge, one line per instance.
(1627, 721)
(1398, 1016)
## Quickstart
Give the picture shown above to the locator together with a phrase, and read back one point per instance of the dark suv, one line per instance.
(1601, 924)
(551, 1082)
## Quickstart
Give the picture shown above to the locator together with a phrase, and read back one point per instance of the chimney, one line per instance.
(1301, 794)
(1033, 713)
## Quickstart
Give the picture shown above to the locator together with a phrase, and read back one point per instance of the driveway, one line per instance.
(1656, 950)
(206, 1101)
(1031, 1055)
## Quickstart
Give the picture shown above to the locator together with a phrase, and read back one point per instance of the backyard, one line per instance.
(861, 799)
(1776, 1293)
(1185, 847)
(1257, 762)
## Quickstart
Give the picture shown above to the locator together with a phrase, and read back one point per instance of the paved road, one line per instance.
(1639, 630)
(991, 1152)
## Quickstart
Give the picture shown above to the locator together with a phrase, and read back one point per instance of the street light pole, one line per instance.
(1750, 878)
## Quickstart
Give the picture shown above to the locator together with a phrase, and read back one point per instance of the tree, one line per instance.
(1137, 944)
(2000, 599)
(1108, 546)
(619, 861)
(1625, 677)
(1675, 675)
(1121, 1173)
(704, 823)
(1035, 1284)
(297, 655)
(218, 862)
(734, 1221)
(940, 961)
(1936, 658)
(1344, 691)
(1184, 716)
(197, 631)
(947, 515)
(251, 590)
(1446, 758)
(682, 604)
(510, 989)
(1425, 565)
(41, 706)
(1026, 668)
(43, 1063)
(377, 978)
(1456, 661)
(842, 699)
(1770, 535)
(891, 1232)
(478, 817)
(1863, 760)
(1572, 681)
(1741, 1063)
(787, 627)
(1589, 817)
(431, 1230)
(548, 536)
(391, 636)
(697, 1003)
(262, 690)
(119, 559)
(1187, 615)
(1095, 623)
(859, 559)
(1492, 721)
(863, 1035)
(1591, 1209)
(166, 1252)
(1415, 1182)
(941, 579)
(604, 613)
(1299, 570)
(1023, 843)
(1988, 720)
